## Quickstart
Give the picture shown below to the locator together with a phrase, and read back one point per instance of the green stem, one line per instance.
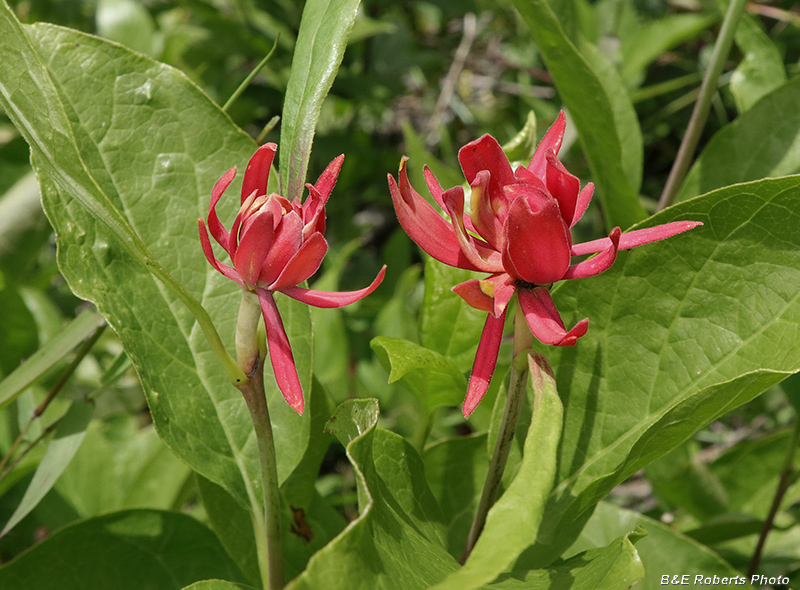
(508, 426)
(238, 92)
(703, 104)
(783, 484)
(271, 554)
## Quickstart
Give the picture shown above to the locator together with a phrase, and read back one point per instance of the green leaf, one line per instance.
(654, 38)
(49, 354)
(157, 144)
(512, 522)
(321, 41)
(128, 23)
(398, 539)
(217, 585)
(133, 549)
(600, 108)
(662, 551)
(442, 384)
(614, 567)
(18, 337)
(23, 227)
(761, 70)
(681, 332)
(756, 145)
(66, 441)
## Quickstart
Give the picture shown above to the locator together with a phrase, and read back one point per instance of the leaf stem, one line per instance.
(238, 92)
(508, 427)
(703, 105)
(783, 485)
(256, 399)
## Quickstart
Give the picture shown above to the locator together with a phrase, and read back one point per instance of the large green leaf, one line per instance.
(761, 70)
(762, 142)
(662, 551)
(133, 549)
(680, 332)
(600, 108)
(156, 145)
(398, 540)
(321, 41)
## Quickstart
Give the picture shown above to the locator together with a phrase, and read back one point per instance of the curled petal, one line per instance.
(544, 320)
(597, 264)
(313, 212)
(486, 154)
(434, 187)
(491, 294)
(257, 173)
(287, 242)
(327, 180)
(257, 234)
(303, 264)
(551, 141)
(637, 237)
(244, 211)
(424, 225)
(330, 299)
(487, 215)
(223, 269)
(280, 353)
(485, 362)
(478, 252)
(584, 198)
(537, 239)
(214, 224)
(563, 186)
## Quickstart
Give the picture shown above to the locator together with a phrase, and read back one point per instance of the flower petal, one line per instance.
(280, 353)
(331, 299)
(563, 186)
(485, 362)
(424, 225)
(327, 180)
(551, 141)
(257, 173)
(287, 242)
(313, 212)
(544, 320)
(491, 294)
(434, 187)
(214, 225)
(486, 154)
(478, 252)
(637, 237)
(537, 239)
(584, 198)
(257, 238)
(487, 215)
(224, 269)
(303, 264)
(597, 264)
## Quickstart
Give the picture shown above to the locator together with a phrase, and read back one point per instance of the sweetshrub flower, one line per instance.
(275, 245)
(517, 229)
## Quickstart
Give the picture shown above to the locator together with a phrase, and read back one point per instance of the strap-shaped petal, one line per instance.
(280, 353)
(491, 294)
(597, 264)
(214, 224)
(537, 239)
(313, 212)
(485, 362)
(488, 215)
(423, 224)
(551, 141)
(638, 237)
(303, 264)
(584, 198)
(544, 320)
(220, 267)
(327, 180)
(486, 154)
(331, 299)
(257, 173)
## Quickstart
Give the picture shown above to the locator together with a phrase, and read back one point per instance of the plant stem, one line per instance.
(783, 485)
(703, 104)
(238, 92)
(256, 399)
(508, 427)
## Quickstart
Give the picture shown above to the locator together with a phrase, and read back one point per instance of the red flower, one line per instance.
(275, 245)
(518, 229)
